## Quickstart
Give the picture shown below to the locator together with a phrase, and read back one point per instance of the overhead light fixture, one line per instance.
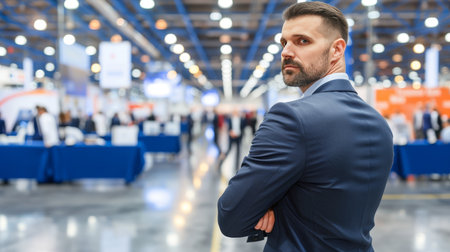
(378, 48)
(39, 73)
(90, 50)
(177, 48)
(120, 21)
(20, 40)
(419, 48)
(273, 48)
(225, 38)
(49, 51)
(215, 16)
(403, 37)
(71, 4)
(116, 38)
(396, 71)
(415, 65)
(40, 24)
(431, 22)
(277, 38)
(145, 58)
(373, 14)
(447, 37)
(185, 57)
(147, 4)
(96, 68)
(398, 78)
(368, 2)
(268, 57)
(94, 24)
(3, 51)
(170, 39)
(136, 73)
(350, 22)
(194, 69)
(397, 57)
(225, 3)
(69, 39)
(226, 23)
(226, 49)
(49, 66)
(413, 75)
(161, 24)
(188, 64)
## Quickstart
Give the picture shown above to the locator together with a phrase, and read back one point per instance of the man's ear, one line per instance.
(337, 49)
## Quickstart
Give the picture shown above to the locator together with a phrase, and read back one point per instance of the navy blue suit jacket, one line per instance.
(321, 163)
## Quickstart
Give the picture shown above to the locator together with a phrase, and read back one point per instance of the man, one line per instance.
(236, 125)
(318, 166)
(48, 126)
(2, 125)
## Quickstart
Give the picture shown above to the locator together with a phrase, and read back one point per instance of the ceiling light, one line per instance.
(413, 75)
(215, 16)
(185, 57)
(447, 37)
(71, 4)
(398, 79)
(95, 24)
(39, 73)
(378, 48)
(396, 70)
(368, 2)
(225, 3)
(373, 14)
(177, 48)
(136, 73)
(415, 65)
(90, 50)
(431, 22)
(418, 48)
(3, 51)
(145, 58)
(49, 66)
(161, 24)
(397, 57)
(147, 4)
(277, 38)
(40, 24)
(172, 74)
(20, 40)
(69, 39)
(120, 22)
(96, 68)
(268, 57)
(226, 49)
(225, 38)
(350, 22)
(170, 39)
(416, 85)
(194, 69)
(116, 38)
(226, 23)
(372, 81)
(273, 48)
(49, 51)
(387, 83)
(188, 64)
(403, 37)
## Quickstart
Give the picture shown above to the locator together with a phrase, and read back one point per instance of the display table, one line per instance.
(421, 158)
(159, 143)
(97, 161)
(29, 161)
(64, 163)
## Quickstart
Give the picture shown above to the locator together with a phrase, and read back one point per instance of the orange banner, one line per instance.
(406, 100)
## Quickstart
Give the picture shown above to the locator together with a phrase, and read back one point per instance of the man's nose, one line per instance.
(287, 51)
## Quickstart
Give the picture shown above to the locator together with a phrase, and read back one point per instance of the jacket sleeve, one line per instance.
(275, 163)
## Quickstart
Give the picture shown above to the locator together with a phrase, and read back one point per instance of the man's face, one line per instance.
(306, 51)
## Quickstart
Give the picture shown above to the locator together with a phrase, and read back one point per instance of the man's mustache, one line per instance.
(290, 61)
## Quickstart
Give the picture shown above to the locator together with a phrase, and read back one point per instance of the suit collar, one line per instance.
(339, 85)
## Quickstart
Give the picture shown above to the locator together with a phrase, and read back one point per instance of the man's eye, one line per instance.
(303, 41)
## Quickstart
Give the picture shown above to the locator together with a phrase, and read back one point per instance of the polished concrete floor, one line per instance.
(172, 207)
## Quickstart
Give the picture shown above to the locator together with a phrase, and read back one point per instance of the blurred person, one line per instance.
(399, 128)
(216, 128)
(236, 125)
(436, 122)
(318, 166)
(89, 125)
(100, 123)
(2, 125)
(115, 121)
(427, 128)
(48, 126)
(251, 121)
(418, 122)
(445, 133)
(37, 133)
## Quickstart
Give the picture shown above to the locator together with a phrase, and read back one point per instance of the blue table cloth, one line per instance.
(29, 161)
(96, 161)
(159, 143)
(421, 158)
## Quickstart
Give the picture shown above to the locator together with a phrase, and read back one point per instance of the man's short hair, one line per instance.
(331, 15)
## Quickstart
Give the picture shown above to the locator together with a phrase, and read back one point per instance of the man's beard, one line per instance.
(305, 76)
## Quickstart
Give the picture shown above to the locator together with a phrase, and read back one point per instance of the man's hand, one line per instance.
(266, 222)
